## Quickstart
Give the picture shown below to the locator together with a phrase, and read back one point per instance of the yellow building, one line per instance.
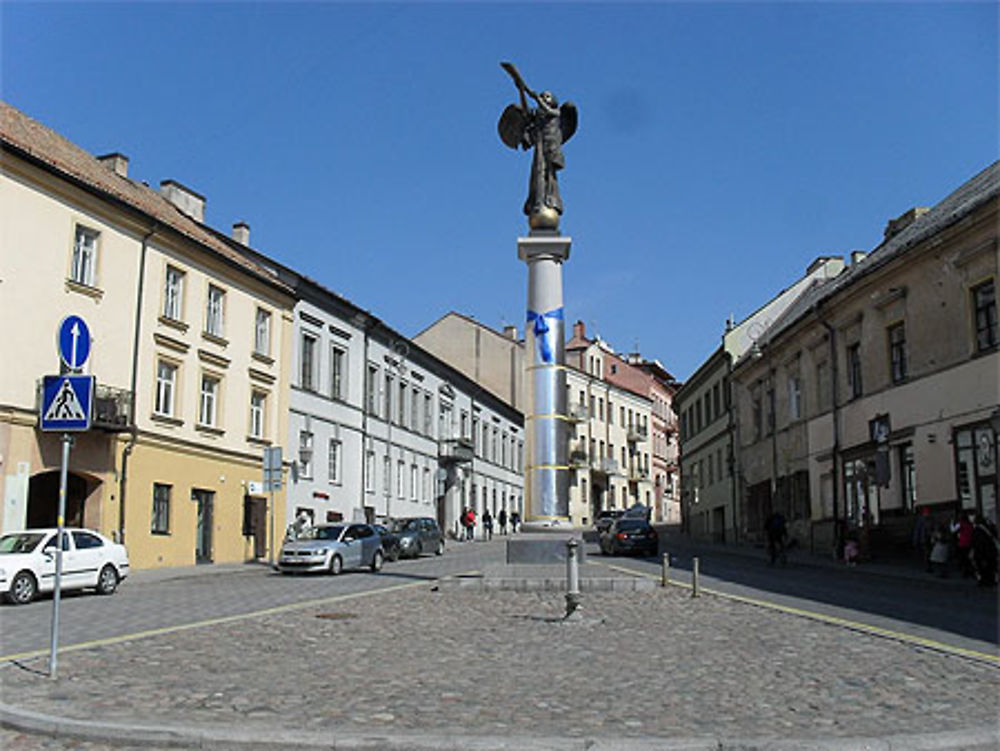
(190, 341)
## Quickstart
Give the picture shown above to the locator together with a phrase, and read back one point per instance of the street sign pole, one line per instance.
(67, 441)
(270, 544)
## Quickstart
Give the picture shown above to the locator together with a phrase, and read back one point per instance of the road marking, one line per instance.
(830, 619)
(212, 621)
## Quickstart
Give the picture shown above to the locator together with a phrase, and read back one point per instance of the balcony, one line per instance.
(638, 474)
(578, 412)
(578, 458)
(455, 450)
(112, 409)
(605, 466)
(637, 433)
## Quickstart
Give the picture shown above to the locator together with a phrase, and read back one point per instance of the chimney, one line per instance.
(510, 332)
(185, 199)
(241, 233)
(579, 330)
(901, 222)
(117, 163)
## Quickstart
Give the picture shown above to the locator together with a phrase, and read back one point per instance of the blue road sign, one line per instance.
(67, 402)
(74, 342)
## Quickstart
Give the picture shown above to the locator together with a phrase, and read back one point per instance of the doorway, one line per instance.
(203, 534)
(43, 500)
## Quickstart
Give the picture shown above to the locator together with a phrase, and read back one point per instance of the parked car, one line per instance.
(28, 563)
(390, 542)
(418, 535)
(606, 518)
(333, 548)
(630, 535)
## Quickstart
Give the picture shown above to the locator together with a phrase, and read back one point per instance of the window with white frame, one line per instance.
(84, 268)
(414, 483)
(173, 293)
(208, 404)
(307, 362)
(166, 387)
(427, 484)
(338, 372)
(794, 397)
(258, 401)
(387, 396)
(400, 475)
(369, 471)
(305, 453)
(415, 409)
(262, 333)
(401, 407)
(333, 461)
(386, 474)
(428, 413)
(214, 308)
(371, 389)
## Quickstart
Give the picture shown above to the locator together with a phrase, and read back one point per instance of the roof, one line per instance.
(29, 138)
(971, 195)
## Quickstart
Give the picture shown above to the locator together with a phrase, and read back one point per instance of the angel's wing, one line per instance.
(511, 126)
(567, 120)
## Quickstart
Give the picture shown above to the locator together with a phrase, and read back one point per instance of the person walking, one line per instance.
(515, 522)
(939, 551)
(964, 542)
(922, 537)
(502, 519)
(984, 552)
(469, 520)
(776, 533)
(487, 525)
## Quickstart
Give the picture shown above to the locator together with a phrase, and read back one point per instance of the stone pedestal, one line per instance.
(546, 470)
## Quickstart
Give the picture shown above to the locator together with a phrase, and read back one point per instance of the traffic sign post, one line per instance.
(74, 342)
(67, 403)
(272, 482)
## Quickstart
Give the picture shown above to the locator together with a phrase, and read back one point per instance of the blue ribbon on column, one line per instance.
(541, 328)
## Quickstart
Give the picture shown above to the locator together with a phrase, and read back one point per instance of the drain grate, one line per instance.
(336, 616)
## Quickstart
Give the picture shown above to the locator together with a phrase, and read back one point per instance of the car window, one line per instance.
(51, 542)
(326, 533)
(364, 531)
(85, 540)
(630, 525)
(21, 542)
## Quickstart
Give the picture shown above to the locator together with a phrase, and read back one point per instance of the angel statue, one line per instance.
(546, 128)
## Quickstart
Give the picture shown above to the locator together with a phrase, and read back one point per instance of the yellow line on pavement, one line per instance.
(212, 621)
(831, 619)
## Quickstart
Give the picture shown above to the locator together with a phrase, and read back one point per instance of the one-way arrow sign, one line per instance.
(67, 402)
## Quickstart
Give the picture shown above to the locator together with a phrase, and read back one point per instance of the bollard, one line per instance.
(665, 575)
(572, 580)
(694, 577)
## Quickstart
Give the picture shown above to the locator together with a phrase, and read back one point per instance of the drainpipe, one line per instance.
(831, 334)
(133, 428)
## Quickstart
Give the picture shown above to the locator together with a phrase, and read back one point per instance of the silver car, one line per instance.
(332, 548)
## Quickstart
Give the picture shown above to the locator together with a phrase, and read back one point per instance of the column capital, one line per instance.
(547, 246)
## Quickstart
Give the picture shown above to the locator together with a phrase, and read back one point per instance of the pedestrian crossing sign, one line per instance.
(67, 402)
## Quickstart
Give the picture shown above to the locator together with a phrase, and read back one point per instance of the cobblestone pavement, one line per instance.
(640, 665)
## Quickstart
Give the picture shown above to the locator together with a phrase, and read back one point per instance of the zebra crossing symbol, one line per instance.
(66, 402)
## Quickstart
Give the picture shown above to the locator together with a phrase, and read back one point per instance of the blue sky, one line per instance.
(721, 148)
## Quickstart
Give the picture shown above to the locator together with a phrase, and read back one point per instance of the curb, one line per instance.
(249, 739)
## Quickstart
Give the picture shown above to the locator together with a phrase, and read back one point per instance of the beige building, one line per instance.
(871, 397)
(189, 344)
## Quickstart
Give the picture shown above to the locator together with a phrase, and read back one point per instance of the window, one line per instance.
(897, 352)
(369, 471)
(475, 436)
(305, 453)
(209, 400)
(333, 461)
(84, 270)
(415, 409)
(854, 369)
(414, 481)
(427, 484)
(386, 474)
(371, 388)
(387, 414)
(307, 363)
(908, 476)
(794, 397)
(161, 509)
(401, 407)
(86, 541)
(985, 304)
(338, 372)
(400, 473)
(262, 333)
(257, 402)
(166, 384)
(428, 413)
(173, 293)
(611, 412)
(758, 428)
(716, 400)
(214, 310)
(770, 411)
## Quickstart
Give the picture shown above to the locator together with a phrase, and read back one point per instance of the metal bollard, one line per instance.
(572, 580)
(694, 578)
(665, 575)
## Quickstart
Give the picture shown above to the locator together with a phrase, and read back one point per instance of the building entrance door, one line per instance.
(43, 500)
(203, 533)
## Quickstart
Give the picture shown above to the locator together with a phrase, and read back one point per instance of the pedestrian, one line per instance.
(922, 537)
(502, 519)
(487, 525)
(939, 550)
(964, 545)
(776, 533)
(470, 524)
(515, 521)
(852, 551)
(984, 553)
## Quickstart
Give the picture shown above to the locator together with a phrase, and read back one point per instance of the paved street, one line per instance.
(427, 668)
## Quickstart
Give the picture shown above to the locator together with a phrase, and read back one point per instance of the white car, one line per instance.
(28, 563)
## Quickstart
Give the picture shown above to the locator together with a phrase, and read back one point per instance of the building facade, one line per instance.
(189, 344)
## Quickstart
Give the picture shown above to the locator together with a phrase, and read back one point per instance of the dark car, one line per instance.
(635, 536)
(390, 542)
(606, 518)
(418, 535)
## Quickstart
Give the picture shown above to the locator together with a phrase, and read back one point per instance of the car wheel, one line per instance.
(107, 580)
(23, 588)
(393, 555)
(440, 548)
(336, 565)
(377, 561)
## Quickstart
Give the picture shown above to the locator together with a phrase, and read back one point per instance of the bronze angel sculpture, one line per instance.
(546, 128)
